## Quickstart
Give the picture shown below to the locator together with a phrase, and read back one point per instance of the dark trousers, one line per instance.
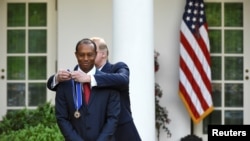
(127, 132)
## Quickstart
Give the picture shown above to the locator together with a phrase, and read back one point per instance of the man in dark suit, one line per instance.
(116, 76)
(78, 120)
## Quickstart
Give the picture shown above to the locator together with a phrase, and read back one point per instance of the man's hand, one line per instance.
(63, 75)
(80, 76)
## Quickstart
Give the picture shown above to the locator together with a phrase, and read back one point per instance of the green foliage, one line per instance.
(161, 113)
(30, 125)
(36, 133)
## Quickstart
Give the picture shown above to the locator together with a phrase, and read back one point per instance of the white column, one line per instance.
(133, 44)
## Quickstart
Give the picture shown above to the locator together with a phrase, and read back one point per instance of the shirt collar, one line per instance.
(102, 66)
(91, 72)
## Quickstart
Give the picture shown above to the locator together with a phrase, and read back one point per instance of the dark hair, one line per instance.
(86, 41)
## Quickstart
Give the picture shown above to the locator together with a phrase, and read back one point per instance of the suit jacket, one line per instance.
(117, 76)
(98, 120)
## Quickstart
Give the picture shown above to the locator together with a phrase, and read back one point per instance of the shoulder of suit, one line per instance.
(120, 63)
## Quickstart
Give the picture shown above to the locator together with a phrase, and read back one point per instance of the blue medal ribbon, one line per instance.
(77, 94)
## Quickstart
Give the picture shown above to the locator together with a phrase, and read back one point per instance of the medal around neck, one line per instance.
(77, 114)
(77, 95)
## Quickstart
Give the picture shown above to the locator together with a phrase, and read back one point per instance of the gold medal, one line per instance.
(77, 114)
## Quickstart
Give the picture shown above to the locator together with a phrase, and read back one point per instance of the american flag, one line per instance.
(194, 70)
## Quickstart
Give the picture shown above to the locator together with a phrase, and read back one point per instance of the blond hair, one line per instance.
(101, 44)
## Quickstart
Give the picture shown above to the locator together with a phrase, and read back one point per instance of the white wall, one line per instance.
(79, 19)
(168, 14)
(84, 18)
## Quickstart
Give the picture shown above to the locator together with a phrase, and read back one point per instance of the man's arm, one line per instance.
(60, 76)
(117, 77)
(50, 84)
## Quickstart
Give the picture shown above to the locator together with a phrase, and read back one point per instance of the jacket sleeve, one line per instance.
(113, 111)
(49, 83)
(51, 79)
(61, 110)
(118, 76)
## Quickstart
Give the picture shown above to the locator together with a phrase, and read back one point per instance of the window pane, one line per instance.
(216, 94)
(15, 68)
(215, 40)
(37, 41)
(16, 14)
(37, 14)
(37, 94)
(37, 67)
(234, 14)
(16, 41)
(216, 68)
(233, 41)
(234, 117)
(233, 68)
(234, 95)
(16, 94)
(213, 14)
(212, 119)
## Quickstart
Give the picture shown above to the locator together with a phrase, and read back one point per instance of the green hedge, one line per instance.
(31, 125)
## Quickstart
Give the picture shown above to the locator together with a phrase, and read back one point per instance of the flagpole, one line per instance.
(191, 127)
(191, 137)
